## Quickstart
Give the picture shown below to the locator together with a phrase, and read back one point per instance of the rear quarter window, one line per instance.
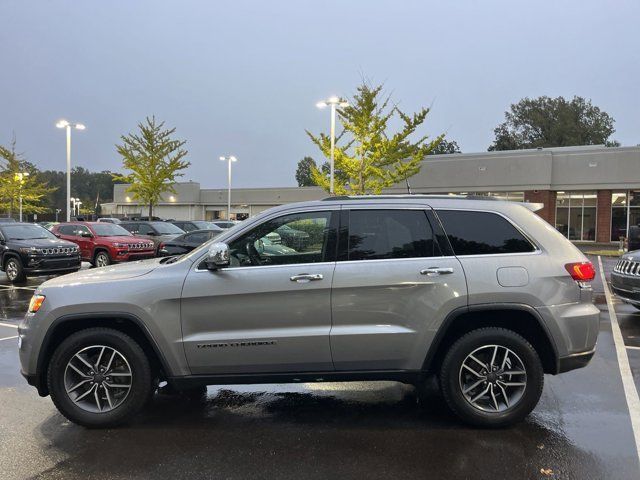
(482, 233)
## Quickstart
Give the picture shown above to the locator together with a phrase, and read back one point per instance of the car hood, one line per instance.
(126, 239)
(43, 243)
(106, 274)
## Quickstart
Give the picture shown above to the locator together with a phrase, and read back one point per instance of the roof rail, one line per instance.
(418, 195)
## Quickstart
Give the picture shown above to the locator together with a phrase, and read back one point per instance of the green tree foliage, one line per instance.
(446, 147)
(154, 159)
(14, 183)
(368, 156)
(553, 122)
(92, 188)
(303, 172)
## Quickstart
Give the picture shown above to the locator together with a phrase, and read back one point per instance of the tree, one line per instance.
(303, 172)
(154, 159)
(371, 158)
(553, 122)
(445, 147)
(19, 178)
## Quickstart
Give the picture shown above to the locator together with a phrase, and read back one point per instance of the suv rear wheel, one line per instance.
(99, 377)
(14, 270)
(491, 377)
(102, 259)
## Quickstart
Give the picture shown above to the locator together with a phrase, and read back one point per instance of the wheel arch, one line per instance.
(519, 318)
(7, 256)
(121, 321)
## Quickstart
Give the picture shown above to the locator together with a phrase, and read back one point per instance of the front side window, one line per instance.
(381, 234)
(296, 238)
(482, 233)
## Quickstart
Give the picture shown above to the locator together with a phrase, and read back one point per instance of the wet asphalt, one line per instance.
(581, 429)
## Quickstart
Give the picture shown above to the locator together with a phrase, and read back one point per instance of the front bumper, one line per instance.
(43, 265)
(626, 287)
(129, 256)
(575, 360)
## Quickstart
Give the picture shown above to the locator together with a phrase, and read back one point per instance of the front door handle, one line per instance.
(306, 277)
(433, 271)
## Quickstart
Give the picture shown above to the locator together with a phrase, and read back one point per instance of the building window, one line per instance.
(576, 215)
(625, 206)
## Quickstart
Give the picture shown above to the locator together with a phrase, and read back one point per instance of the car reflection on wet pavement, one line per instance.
(581, 428)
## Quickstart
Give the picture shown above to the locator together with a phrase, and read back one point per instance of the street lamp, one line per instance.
(333, 102)
(68, 126)
(21, 177)
(78, 203)
(229, 159)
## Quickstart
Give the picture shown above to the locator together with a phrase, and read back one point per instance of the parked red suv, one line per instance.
(104, 243)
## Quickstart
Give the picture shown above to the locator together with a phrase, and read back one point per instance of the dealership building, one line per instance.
(590, 193)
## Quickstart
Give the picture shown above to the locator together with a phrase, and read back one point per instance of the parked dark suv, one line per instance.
(191, 225)
(29, 249)
(157, 232)
(103, 243)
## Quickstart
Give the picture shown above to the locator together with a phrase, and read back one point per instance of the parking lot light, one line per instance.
(68, 126)
(21, 177)
(229, 159)
(333, 102)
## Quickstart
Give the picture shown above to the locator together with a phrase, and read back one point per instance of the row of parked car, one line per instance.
(31, 249)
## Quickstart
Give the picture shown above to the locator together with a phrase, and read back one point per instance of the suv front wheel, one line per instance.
(491, 377)
(99, 377)
(101, 259)
(14, 270)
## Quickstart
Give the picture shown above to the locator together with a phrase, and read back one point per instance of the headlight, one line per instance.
(28, 249)
(36, 302)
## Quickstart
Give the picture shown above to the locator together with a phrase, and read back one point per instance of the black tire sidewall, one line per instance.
(449, 377)
(141, 377)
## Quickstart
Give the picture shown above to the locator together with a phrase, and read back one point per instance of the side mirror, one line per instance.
(218, 256)
(86, 234)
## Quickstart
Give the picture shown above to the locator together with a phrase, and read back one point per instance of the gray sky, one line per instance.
(243, 77)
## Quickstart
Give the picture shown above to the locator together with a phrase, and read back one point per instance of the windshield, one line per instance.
(202, 225)
(109, 230)
(166, 228)
(26, 232)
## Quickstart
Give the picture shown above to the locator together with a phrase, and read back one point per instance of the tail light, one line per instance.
(581, 271)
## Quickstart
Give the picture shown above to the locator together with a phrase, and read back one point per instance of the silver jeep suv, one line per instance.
(482, 293)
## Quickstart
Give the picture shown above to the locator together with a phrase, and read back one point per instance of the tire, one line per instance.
(99, 408)
(487, 410)
(14, 270)
(101, 259)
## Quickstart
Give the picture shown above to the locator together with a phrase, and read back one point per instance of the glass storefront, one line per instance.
(625, 205)
(576, 215)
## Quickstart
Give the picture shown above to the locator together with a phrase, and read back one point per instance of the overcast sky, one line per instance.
(243, 77)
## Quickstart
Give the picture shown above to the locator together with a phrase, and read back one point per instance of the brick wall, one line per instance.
(603, 222)
(548, 199)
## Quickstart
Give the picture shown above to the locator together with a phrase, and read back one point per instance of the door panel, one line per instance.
(267, 312)
(241, 320)
(386, 313)
(389, 303)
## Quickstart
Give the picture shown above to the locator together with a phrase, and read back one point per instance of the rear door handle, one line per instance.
(433, 271)
(306, 277)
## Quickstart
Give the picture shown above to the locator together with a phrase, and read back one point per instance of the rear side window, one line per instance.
(482, 233)
(380, 234)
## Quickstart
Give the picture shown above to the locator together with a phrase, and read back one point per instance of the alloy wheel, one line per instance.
(102, 260)
(98, 378)
(12, 269)
(492, 378)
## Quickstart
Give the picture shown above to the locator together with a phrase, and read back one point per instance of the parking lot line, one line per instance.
(631, 347)
(8, 338)
(8, 325)
(11, 287)
(631, 394)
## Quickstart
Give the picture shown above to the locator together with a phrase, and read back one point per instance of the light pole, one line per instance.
(72, 202)
(20, 177)
(333, 102)
(229, 159)
(68, 126)
(58, 210)
(78, 203)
